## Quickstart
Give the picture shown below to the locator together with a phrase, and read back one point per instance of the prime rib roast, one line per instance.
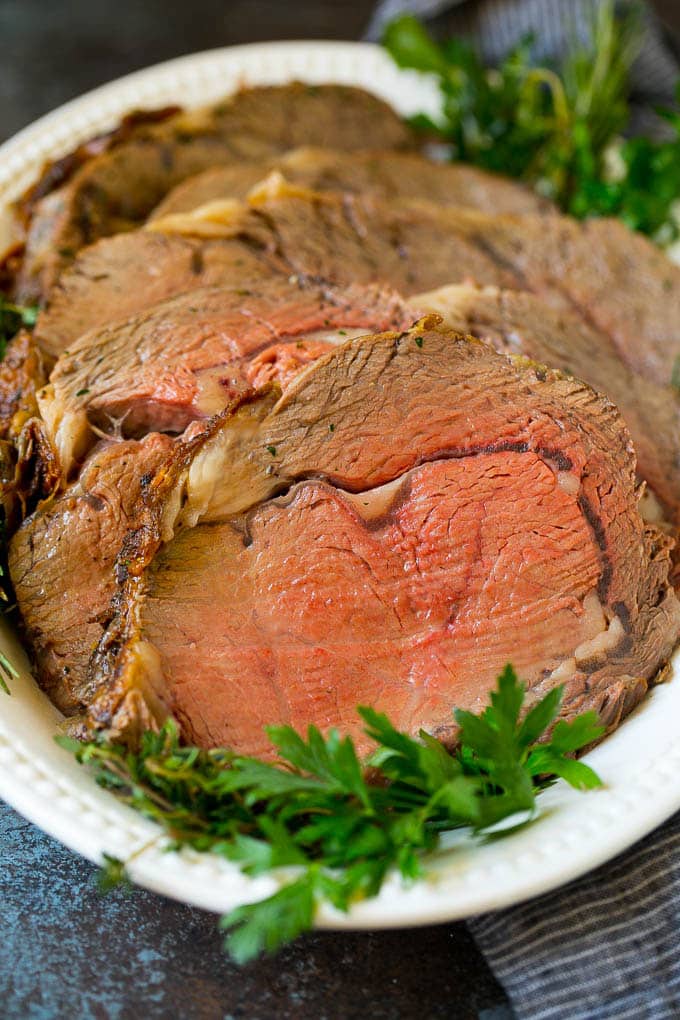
(383, 532)
(256, 472)
(113, 183)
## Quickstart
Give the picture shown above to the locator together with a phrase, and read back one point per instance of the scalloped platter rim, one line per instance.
(640, 762)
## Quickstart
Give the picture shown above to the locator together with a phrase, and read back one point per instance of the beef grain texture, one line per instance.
(412, 513)
(115, 189)
(517, 322)
(611, 288)
(187, 357)
(388, 174)
(165, 371)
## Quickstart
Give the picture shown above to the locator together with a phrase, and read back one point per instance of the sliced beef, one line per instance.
(412, 513)
(187, 357)
(613, 279)
(389, 174)
(118, 187)
(122, 276)
(61, 563)
(345, 239)
(517, 322)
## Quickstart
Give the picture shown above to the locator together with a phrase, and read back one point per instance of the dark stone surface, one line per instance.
(69, 951)
(66, 951)
(52, 52)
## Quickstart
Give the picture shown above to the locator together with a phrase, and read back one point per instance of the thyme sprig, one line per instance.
(318, 810)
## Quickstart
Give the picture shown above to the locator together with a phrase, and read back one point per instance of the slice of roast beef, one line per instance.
(121, 276)
(413, 512)
(517, 322)
(389, 174)
(282, 228)
(613, 277)
(615, 280)
(117, 188)
(187, 357)
(61, 562)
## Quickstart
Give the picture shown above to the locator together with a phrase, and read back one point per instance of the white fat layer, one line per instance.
(275, 186)
(376, 502)
(369, 505)
(211, 394)
(452, 301)
(67, 428)
(223, 478)
(336, 336)
(221, 218)
(571, 483)
(604, 642)
(224, 217)
(650, 509)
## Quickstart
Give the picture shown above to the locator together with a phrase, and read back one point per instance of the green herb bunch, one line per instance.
(319, 811)
(557, 128)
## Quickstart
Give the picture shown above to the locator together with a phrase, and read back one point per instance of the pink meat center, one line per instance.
(320, 602)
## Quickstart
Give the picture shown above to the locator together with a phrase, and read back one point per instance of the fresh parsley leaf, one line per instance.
(265, 926)
(342, 824)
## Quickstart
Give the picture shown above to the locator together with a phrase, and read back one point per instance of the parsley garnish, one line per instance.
(419, 341)
(81, 393)
(316, 810)
(557, 129)
(272, 450)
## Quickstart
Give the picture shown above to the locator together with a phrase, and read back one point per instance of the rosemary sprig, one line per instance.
(320, 812)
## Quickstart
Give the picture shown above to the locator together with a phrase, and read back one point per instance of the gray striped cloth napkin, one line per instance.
(606, 947)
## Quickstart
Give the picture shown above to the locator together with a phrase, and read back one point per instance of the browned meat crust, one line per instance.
(401, 404)
(388, 174)
(61, 561)
(112, 183)
(22, 373)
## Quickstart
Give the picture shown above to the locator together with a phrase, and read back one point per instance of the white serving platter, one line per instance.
(640, 763)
